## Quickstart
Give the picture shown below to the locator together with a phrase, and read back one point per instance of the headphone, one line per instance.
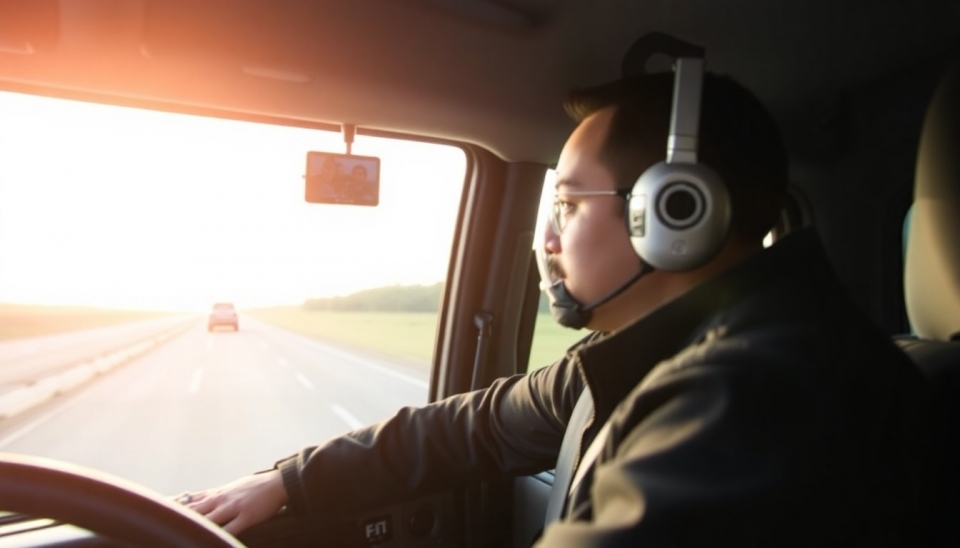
(678, 214)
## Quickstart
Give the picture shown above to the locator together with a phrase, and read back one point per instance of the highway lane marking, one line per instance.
(195, 382)
(345, 416)
(29, 427)
(376, 367)
(25, 430)
(304, 381)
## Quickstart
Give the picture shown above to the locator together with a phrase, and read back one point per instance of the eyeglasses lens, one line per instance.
(557, 220)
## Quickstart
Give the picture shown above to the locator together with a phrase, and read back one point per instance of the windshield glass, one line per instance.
(122, 231)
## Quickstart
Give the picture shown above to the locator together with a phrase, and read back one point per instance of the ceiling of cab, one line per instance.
(482, 71)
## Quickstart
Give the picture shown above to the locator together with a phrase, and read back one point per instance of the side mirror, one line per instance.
(342, 179)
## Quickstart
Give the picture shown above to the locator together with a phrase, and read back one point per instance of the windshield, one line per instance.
(123, 230)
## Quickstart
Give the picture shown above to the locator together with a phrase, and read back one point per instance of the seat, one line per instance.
(932, 292)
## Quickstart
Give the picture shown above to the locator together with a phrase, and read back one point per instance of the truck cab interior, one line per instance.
(866, 92)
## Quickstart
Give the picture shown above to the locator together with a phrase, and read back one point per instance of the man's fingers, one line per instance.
(223, 514)
(240, 504)
(203, 506)
(231, 518)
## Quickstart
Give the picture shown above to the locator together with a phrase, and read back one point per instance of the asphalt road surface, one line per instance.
(205, 408)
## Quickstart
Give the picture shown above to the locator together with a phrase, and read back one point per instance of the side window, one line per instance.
(173, 312)
(905, 239)
(905, 243)
(796, 214)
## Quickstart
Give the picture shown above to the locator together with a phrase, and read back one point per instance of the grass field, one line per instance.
(408, 335)
(18, 321)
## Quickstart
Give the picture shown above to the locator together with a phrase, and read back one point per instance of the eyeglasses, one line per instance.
(563, 209)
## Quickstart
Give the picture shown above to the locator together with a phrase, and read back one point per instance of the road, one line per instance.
(205, 408)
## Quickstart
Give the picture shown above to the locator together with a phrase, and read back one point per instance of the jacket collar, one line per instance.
(613, 364)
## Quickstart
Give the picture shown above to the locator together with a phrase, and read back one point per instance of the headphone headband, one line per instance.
(679, 210)
(685, 116)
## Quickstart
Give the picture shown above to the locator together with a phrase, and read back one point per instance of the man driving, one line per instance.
(733, 394)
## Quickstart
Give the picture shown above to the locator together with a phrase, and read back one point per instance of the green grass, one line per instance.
(19, 321)
(404, 334)
(550, 341)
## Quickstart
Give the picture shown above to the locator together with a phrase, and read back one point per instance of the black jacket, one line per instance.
(758, 409)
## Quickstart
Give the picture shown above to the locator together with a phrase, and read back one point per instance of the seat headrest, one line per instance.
(932, 275)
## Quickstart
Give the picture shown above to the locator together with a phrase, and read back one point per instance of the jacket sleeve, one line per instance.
(515, 427)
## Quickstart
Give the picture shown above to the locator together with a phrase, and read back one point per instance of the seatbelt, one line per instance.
(568, 454)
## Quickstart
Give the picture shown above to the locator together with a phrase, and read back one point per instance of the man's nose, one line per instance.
(551, 240)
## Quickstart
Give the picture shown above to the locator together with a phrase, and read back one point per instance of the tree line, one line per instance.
(393, 298)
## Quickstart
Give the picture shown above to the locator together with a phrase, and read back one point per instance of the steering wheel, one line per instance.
(115, 508)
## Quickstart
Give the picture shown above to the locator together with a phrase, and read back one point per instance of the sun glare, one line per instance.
(120, 207)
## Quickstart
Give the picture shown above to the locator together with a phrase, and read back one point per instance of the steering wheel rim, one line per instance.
(106, 505)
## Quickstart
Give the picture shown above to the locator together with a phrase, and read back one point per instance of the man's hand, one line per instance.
(242, 503)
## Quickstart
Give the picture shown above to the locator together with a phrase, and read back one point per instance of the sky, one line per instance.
(126, 208)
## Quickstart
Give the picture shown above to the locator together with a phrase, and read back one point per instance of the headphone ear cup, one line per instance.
(678, 215)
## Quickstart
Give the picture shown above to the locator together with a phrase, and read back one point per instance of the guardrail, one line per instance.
(30, 373)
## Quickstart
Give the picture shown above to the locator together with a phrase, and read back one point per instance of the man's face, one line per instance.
(592, 253)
